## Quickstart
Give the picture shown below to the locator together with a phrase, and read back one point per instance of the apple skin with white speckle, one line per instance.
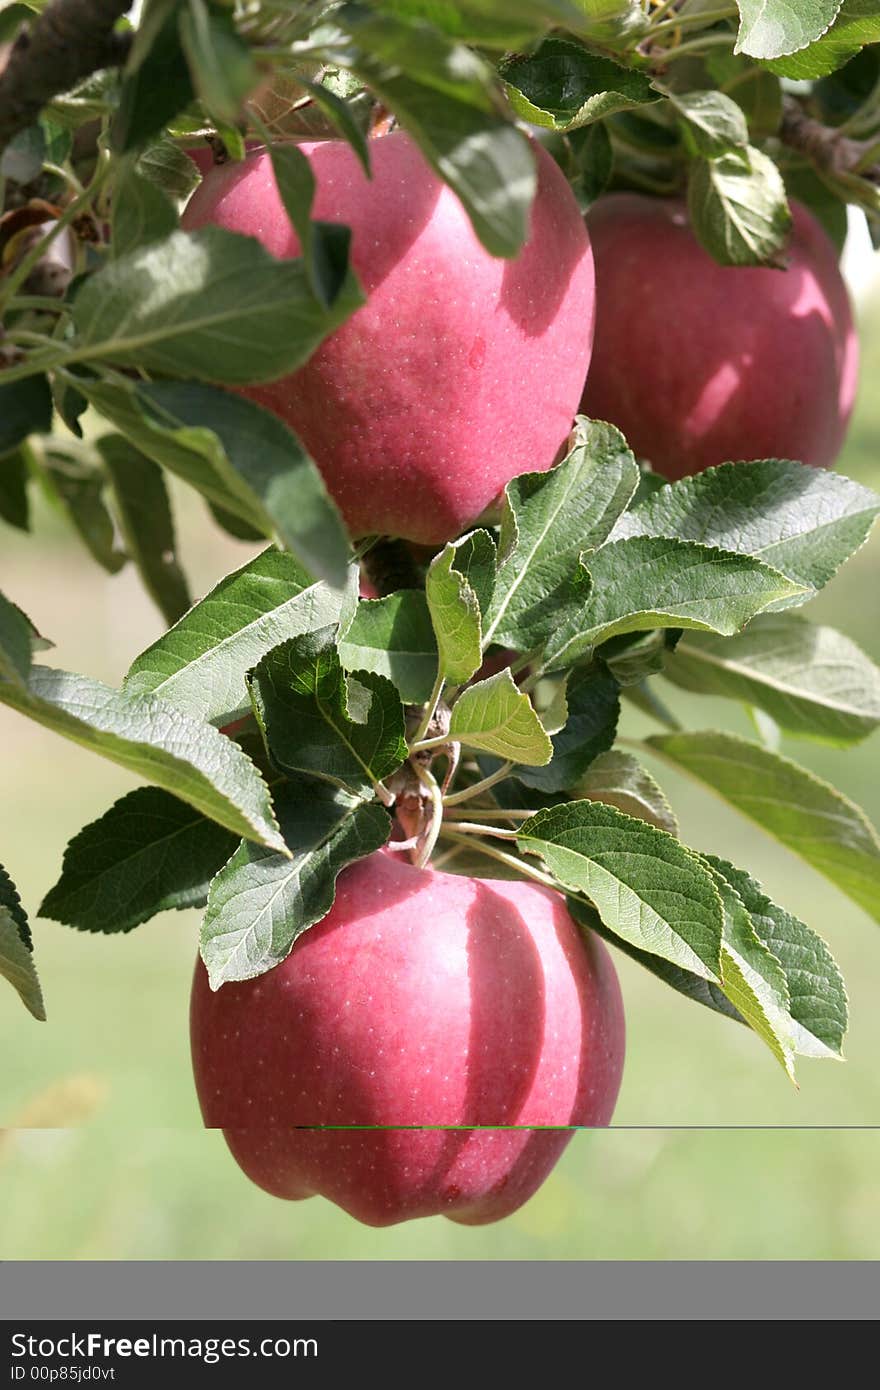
(461, 370)
(422, 999)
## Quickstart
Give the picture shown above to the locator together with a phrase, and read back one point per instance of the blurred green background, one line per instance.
(141, 1180)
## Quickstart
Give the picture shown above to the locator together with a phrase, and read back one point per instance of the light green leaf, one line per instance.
(714, 123)
(154, 740)
(803, 521)
(201, 663)
(812, 681)
(394, 637)
(455, 615)
(15, 644)
(261, 902)
(738, 207)
(497, 717)
(549, 521)
(149, 853)
(17, 966)
(325, 245)
(812, 818)
(649, 582)
(348, 730)
(817, 996)
(618, 779)
(857, 24)
(773, 28)
(646, 887)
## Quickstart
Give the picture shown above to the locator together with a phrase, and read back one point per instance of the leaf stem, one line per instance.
(425, 721)
(498, 814)
(467, 793)
(494, 830)
(503, 857)
(694, 21)
(435, 824)
(692, 46)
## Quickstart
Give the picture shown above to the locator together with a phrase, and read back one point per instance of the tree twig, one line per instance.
(68, 41)
(831, 151)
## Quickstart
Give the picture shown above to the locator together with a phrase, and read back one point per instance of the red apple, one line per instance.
(422, 999)
(698, 363)
(461, 370)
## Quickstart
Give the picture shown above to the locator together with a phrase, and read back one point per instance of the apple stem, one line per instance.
(468, 792)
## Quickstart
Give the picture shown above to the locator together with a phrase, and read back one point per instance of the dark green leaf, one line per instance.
(618, 779)
(149, 853)
(348, 730)
(14, 503)
(221, 65)
(75, 482)
(593, 699)
(562, 85)
(25, 408)
(140, 213)
(15, 644)
(157, 83)
(144, 512)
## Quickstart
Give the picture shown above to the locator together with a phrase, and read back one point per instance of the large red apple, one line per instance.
(699, 363)
(422, 999)
(461, 370)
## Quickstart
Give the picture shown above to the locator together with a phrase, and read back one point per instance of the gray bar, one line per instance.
(447, 1291)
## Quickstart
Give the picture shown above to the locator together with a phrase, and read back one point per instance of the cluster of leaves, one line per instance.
(598, 578)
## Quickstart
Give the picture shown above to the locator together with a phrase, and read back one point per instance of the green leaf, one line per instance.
(348, 730)
(685, 982)
(155, 741)
(10, 900)
(647, 887)
(140, 213)
(25, 408)
(168, 168)
(497, 717)
(817, 996)
(634, 656)
(201, 663)
(144, 512)
(325, 245)
(803, 521)
(773, 28)
(752, 977)
(221, 65)
(619, 780)
(17, 966)
(813, 681)
(593, 699)
(445, 95)
(713, 122)
(648, 582)
(15, 644)
(149, 853)
(738, 207)
(260, 903)
(14, 502)
(549, 520)
(74, 481)
(455, 614)
(812, 818)
(22, 158)
(563, 86)
(156, 84)
(857, 24)
(393, 637)
(242, 458)
(208, 304)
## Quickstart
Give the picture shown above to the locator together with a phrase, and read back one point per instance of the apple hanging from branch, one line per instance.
(700, 364)
(423, 999)
(462, 369)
